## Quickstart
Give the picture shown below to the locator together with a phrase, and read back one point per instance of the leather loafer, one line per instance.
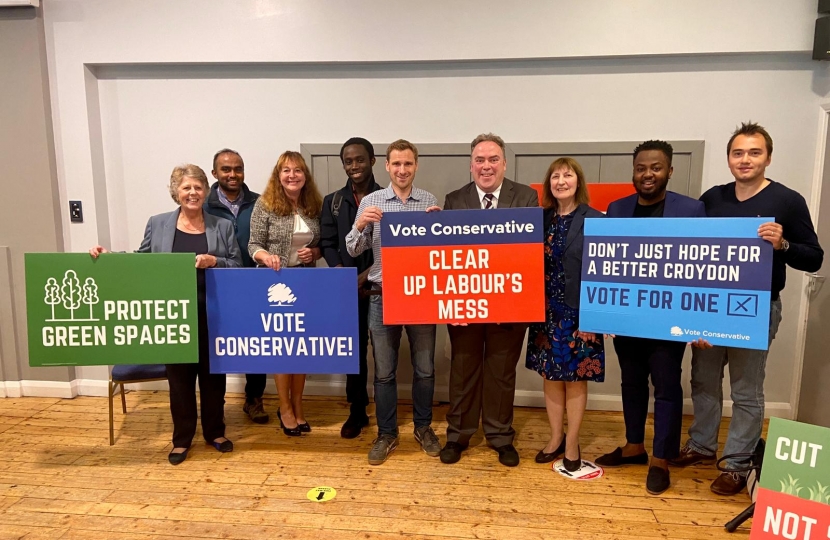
(657, 480)
(178, 457)
(616, 459)
(544, 457)
(353, 425)
(224, 446)
(508, 456)
(572, 465)
(451, 452)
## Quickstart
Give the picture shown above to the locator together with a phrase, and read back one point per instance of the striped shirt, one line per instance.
(357, 242)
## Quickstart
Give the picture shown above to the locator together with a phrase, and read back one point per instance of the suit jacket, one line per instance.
(273, 233)
(572, 258)
(512, 195)
(221, 239)
(676, 206)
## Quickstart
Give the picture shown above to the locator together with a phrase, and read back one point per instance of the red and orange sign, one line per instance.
(463, 266)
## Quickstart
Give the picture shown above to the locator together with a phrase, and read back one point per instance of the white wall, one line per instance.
(552, 88)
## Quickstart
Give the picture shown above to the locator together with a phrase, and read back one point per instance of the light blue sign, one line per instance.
(678, 279)
(296, 320)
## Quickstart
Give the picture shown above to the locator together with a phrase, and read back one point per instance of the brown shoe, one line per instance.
(728, 483)
(690, 456)
(256, 411)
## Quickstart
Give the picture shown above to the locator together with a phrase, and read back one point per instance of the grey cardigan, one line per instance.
(272, 233)
(221, 239)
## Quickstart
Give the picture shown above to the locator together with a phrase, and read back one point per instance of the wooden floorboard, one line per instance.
(60, 479)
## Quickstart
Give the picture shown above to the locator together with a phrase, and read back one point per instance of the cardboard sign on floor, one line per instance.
(588, 471)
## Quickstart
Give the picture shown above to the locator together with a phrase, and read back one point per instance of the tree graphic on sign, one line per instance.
(53, 294)
(71, 292)
(280, 294)
(90, 295)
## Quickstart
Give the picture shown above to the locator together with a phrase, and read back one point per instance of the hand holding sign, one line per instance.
(773, 233)
(373, 214)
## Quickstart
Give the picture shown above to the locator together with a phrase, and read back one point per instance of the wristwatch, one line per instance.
(785, 245)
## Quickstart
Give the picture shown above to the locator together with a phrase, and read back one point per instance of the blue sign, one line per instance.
(296, 320)
(678, 279)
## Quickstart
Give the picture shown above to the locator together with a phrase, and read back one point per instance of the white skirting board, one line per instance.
(236, 384)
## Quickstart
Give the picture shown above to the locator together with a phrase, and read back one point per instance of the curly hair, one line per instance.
(274, 198)
(188, 170)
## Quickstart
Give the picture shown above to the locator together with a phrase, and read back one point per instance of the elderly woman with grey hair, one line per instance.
(211, 239)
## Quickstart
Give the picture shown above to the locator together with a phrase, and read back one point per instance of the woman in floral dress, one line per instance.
(564, 356)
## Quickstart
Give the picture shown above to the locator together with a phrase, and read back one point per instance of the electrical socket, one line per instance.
(76, 212)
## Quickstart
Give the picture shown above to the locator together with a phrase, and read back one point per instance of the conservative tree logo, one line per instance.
(71, 297)
(280, 294)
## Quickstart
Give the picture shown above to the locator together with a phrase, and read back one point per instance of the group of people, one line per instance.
(290, 225)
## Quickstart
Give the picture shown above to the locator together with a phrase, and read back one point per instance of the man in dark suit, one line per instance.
(641, 358)
(484, 356)
(339, 211)
(231, 199)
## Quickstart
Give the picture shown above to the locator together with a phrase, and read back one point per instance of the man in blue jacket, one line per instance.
(339, 211)
(231, 199)
(639, 357)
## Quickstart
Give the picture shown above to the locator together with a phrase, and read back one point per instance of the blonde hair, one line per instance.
(188, 170)
(581, 195)
(275, 199)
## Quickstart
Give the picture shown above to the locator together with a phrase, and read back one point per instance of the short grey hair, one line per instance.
(224, 151)
(181, 172)
(488, 137)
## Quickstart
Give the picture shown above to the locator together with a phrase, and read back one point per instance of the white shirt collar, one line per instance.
(496, 194)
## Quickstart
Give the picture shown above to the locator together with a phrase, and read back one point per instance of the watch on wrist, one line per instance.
(785, 245)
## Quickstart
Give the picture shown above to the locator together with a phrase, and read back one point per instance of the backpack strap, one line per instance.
(336, 201)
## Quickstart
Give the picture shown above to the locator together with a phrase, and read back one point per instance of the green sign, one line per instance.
(122, 308)
(797, 460)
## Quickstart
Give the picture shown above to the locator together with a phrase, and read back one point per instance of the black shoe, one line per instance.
(177, 458)
(616, 459)
(508, 456)
(224, 446)
(451, 452)
(291, 432)
(544, 457)
(353, 425)
(572, 465)
(657, 480)
(304, 427)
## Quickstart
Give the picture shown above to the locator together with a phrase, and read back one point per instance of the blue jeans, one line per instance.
(386, 340)
(746, 375)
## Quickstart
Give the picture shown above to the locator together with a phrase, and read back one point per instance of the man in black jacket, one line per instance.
(339, 212)
(231, 199)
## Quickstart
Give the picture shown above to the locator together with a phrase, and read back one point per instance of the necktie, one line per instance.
(488, 201)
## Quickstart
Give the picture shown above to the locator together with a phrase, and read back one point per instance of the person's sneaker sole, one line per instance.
(392, 448)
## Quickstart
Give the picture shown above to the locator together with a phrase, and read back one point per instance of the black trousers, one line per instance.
(254, 386)
(356, 392)
(662, 361)
(182, 381)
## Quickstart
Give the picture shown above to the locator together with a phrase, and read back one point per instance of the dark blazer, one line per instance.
(512, 195)
(676, 206)
(158, 238)
(241, 221)
(333, 229)
(572, 258)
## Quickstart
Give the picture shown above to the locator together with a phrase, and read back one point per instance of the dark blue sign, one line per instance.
(296, 320)
(462, 227)
(677, 279)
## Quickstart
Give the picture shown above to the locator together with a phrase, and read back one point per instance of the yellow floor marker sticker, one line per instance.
(321, 494)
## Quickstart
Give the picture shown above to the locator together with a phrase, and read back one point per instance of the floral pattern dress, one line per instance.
(553, 349)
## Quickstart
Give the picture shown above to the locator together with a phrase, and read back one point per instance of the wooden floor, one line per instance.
(59, 478)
